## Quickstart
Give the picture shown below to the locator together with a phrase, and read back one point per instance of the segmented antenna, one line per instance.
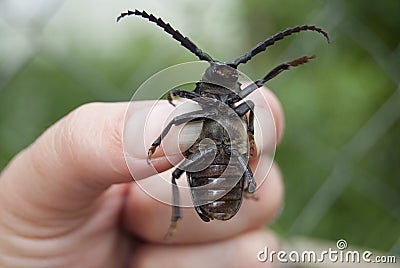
(185, 42)
(271, 40)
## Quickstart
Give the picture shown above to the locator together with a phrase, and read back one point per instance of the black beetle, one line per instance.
(222, 144)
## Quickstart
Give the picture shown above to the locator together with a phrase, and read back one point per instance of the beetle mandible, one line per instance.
(219, 88)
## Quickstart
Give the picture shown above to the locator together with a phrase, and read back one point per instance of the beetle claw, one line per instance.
(150, 153)
(171, 231)
(252, 187)
(249, 195)
(251, 151)
(170, 99)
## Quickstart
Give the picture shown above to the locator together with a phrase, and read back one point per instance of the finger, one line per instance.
(266, 99)
(145, 125)
(142, 126)
(69, 166)
(240, 251)
(149, 218)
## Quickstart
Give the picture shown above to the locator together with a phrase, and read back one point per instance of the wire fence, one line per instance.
(367, 136)
(360, 144)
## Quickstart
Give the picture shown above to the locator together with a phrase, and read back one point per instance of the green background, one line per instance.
(340, 156)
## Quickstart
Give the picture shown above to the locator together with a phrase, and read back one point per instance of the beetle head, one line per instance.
(222, 74)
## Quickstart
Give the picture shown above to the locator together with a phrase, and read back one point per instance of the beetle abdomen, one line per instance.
(217, 191)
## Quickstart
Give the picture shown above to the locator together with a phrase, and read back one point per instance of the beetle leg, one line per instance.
(176, 211)
(248, 174)
(183, 94)
(190, 96)
(178, 120)
(241, 110)
(274, 72)
(251, 185)
(192, 160)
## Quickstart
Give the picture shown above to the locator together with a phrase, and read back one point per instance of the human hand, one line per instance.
(68, 200)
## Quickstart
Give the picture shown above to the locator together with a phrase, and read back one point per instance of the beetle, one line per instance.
(217, 187)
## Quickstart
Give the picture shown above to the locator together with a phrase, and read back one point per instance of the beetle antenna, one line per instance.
(271, 40)
(185, 42)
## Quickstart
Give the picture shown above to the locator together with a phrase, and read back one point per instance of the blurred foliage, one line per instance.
(327, 104)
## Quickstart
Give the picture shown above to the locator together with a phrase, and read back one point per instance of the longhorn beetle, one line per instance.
(219, 88)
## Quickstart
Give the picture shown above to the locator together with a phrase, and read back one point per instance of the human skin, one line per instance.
(69, 200)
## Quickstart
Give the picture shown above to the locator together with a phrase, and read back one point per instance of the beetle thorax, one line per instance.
(221, 74)
(219, 82)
